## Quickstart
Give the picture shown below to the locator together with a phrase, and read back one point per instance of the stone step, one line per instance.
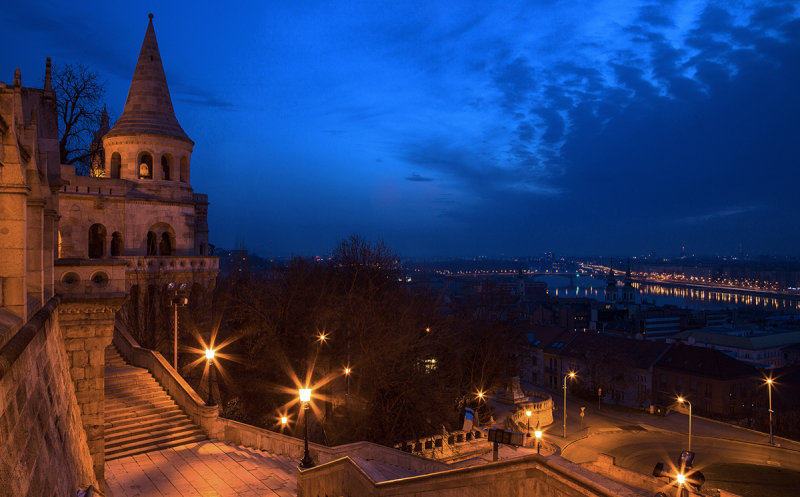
(115, 412)
(139, 391)
(176, 418)
(146, 435)
(128, 419)
(151, 445)
(131, 383)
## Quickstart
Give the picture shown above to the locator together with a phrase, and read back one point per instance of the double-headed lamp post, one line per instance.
(770, 381)
(305, 397)
(570, 376)
(212, 373)
(682, 400)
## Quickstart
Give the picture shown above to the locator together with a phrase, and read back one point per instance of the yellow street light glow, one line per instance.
(528, 413)
(572, 374)
(284, 420)
(347, 370)
(322, 337)
(305, 394)
(681, 400)
(681, 478)
(481, 394)
(209, 354)
(538, 433)
(427, 330)
(769, 381)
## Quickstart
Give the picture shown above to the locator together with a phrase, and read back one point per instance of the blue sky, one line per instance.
(465, 128)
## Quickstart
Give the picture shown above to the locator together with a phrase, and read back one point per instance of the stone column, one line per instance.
(87, 327)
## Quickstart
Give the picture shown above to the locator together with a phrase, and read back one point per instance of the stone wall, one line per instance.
(87, 325)
(43, 447)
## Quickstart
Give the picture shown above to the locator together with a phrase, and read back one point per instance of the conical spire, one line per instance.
(148, 108)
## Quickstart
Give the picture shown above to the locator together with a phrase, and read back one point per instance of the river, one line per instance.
(678, 295)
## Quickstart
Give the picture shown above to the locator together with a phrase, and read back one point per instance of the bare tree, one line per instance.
(79, 93)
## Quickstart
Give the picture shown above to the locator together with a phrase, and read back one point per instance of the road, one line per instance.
(639, 440)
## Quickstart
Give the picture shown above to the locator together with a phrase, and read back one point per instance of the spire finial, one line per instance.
(150, 16)
(17, 78)
(47, 71)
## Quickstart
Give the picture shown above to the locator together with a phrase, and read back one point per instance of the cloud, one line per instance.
(417, 177)
(718, 214)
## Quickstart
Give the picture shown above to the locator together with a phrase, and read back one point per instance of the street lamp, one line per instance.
(528, 413)
(347, 372)
(770, 381)
(212, 374)
(570, 376)
(305, 397)
(179, 299)
(682, 400)
(538, 435)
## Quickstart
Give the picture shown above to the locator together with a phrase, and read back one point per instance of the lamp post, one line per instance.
(347, 372)
(179, 299)
(212, 373)
(682, 400)
(538, 435)
(305, 397)
(528, 413)
(570, 376)
(769, 389)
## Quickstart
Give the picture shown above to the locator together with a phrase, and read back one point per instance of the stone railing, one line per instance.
(276, 443)
(529, 475)
(541, 411)
(171, 263)
(449, 446)
(181, 392)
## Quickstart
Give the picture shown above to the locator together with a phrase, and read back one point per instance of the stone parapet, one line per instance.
(43, 444)
(277, 443)
(206, 417)
(533, 475)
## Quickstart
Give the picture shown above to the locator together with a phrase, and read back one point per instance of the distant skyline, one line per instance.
(463, 129)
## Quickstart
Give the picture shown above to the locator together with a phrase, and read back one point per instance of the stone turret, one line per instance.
(147, 142)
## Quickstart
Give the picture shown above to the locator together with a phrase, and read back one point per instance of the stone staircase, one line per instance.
(139, 414)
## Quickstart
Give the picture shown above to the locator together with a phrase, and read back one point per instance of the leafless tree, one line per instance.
(79, 93)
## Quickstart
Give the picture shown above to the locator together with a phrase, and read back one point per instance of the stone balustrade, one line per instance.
(541, 411)
(175, 263)
(181, 392)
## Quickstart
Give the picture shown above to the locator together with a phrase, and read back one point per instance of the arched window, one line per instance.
(151, 243)
(184, 169)
(116, 165)
(116, 243)
(97, 241)
(165, 247)
(145, 166)
(165, 167)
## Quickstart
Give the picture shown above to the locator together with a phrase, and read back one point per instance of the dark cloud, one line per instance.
(416, 177)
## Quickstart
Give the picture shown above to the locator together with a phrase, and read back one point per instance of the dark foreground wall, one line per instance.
(43, 449)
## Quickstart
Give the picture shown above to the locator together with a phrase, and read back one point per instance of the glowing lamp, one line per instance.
(305, 394)
(209, 354)
(681, 478)
(284, 420)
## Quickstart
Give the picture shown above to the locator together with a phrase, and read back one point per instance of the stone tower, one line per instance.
(147, 143)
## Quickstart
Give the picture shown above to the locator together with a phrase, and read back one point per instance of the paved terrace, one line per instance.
(208, 468)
